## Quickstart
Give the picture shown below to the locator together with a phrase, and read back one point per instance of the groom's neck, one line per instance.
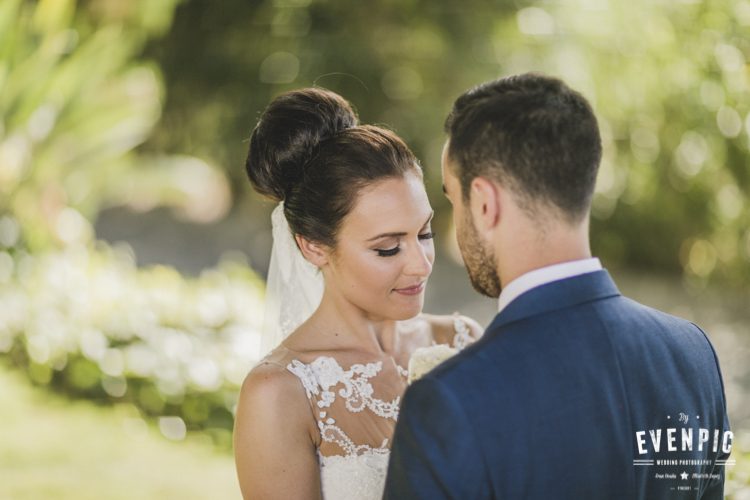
(531, 247)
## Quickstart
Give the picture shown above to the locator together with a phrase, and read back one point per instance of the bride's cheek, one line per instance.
(368, 270)
(381, 272)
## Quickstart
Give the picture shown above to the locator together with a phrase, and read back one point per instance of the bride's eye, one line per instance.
(388, 252)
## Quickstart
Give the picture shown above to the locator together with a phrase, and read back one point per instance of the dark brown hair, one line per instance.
(309, 151)
(532, 132)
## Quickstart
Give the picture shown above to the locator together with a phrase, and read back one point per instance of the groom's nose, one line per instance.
(419, 261)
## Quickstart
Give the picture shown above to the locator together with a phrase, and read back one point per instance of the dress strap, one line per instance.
(306, 375)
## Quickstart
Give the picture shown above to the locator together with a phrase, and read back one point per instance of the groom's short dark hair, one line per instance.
(531, 132)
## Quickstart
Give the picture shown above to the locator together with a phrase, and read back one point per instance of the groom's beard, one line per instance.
(479, 260)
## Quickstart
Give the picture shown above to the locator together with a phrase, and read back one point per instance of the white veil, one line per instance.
(294, 286)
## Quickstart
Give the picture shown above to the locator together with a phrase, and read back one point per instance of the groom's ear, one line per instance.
(316, 253)
(484, 203)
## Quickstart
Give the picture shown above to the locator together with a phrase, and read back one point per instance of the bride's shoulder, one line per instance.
(269, 381)
(444, 328)
(270, 395)
(272, 414)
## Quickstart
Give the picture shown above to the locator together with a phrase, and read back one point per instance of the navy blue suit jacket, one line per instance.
(574, 391)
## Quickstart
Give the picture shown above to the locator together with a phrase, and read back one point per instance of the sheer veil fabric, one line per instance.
(294, 287)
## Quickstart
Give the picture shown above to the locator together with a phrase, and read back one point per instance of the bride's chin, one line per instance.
(409, 311)
(403, 317)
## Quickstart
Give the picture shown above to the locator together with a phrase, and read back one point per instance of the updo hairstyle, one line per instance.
(309, 151)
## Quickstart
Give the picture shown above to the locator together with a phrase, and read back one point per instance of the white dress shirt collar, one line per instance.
(545, 275)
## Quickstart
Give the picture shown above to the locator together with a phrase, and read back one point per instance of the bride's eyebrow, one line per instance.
(398, 235)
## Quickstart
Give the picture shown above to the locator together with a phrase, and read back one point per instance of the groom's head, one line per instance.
(522, 156)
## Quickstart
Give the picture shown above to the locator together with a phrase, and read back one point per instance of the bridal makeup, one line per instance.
(385, 251)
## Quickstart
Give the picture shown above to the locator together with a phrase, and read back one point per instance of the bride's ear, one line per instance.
(315, 253)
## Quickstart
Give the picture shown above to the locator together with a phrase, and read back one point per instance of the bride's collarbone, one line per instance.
(314, 343)
(344, 356)
(422, 331)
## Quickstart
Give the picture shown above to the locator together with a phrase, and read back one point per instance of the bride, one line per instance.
(352, 254)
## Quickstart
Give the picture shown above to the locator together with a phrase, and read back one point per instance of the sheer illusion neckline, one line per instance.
(460, 340)
(313, 358)
(313, 355)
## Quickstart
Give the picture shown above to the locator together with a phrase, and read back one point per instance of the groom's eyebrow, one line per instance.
(397, 235)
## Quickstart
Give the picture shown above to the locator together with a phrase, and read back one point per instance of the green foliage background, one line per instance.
(76, 101)
(102, 100)
(669, 81)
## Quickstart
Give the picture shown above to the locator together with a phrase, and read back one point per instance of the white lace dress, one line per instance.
(355, 406)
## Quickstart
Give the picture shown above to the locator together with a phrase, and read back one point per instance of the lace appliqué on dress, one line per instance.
(322, 376)
(463, 336)
(360, 471)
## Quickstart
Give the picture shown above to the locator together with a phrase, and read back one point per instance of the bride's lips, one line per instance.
(412, 290)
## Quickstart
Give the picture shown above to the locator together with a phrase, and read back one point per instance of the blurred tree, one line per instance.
(399, 63)
(73, 106)
(672, 98)
(78, 315)
(669, 81)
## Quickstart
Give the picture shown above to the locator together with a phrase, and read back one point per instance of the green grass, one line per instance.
(52, 447)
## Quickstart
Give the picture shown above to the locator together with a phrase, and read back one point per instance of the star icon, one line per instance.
(684, 476)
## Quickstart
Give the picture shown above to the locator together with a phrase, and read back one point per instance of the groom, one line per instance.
(574, 391)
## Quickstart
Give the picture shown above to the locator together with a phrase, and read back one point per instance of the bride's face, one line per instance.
(384, 251)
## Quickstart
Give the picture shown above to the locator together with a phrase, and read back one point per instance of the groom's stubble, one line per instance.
(479, 259)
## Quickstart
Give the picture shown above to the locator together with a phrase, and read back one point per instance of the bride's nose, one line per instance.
(419, 260)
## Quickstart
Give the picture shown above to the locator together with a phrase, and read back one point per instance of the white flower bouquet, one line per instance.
(425, 359)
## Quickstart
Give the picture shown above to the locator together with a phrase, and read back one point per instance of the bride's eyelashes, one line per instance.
(390, 252)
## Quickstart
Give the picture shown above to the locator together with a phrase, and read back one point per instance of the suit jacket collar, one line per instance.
(557, 295)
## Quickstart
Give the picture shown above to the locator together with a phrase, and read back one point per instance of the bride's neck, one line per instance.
(343, 325)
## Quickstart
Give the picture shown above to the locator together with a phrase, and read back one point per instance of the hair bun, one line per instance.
(287, 134)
